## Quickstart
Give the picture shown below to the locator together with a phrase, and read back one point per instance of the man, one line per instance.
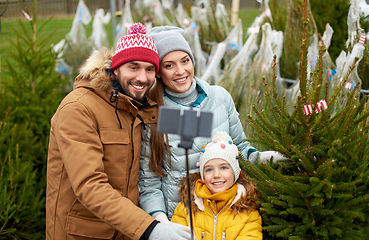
(95, 143)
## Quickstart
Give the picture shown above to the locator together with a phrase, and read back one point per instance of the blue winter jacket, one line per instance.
(162, 193)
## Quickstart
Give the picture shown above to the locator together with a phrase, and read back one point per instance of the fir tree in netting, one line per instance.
(333, 12)
(322, 191)
(292, 37)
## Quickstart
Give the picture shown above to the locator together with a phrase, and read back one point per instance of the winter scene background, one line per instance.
(298, 74)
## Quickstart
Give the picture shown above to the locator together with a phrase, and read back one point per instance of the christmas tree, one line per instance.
(321, 192)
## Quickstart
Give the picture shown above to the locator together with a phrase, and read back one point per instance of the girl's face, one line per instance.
(218, 175)
(176, 70)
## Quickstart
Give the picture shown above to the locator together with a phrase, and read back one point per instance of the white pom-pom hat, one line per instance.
(221, 147)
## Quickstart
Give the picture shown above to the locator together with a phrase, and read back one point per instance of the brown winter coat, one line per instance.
(93, 163)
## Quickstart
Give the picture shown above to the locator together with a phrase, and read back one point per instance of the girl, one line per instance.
(223, 200)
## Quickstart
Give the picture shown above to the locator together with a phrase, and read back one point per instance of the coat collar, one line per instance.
(241, 191)
(241, 203)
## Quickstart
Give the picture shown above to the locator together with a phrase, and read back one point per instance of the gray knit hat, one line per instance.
(222, 147)
(169, 39)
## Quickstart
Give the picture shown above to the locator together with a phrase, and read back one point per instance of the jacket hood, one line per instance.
(94, 72)
(244, 201)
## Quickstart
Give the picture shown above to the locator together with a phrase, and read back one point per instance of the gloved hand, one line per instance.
(162, 217)
(166, 232)
(267, 155)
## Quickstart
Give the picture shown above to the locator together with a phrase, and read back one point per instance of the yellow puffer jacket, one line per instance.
(238, 220)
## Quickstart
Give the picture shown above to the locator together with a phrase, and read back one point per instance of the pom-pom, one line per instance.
(221, 136)
(222, 145)
(137, 28)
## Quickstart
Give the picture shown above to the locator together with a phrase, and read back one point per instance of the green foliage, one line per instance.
(33, 89)
(29, 96)
(21, 201)
(322, 191)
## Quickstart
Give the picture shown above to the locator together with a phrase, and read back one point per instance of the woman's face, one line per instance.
(176, 71)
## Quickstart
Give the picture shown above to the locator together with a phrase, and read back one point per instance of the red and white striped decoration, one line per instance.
(308, 109)
(320, 106)
(348, 85)
(362, 39)
(29, 18)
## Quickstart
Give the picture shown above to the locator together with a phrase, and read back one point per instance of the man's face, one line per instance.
(136, 78)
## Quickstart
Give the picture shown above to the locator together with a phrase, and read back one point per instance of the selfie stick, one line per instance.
(188, 123)
(189, 205)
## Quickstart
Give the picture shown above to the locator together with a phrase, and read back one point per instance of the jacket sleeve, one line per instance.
(180, 215)
(82, 152)
(252, 228)
(235, 128)
(151, 196)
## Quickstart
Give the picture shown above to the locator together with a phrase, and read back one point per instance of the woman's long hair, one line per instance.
(157, 143)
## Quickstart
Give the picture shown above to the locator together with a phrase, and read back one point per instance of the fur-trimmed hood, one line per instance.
(244, 201)
(94, 72)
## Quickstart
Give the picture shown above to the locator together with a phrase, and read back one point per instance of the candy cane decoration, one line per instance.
(29, 18)
(320, 106)
(362, 39)
(348, 85)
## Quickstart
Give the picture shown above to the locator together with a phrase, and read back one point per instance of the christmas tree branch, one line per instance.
(266, 94)
(289, 183)
(304, 50)
(303, 160)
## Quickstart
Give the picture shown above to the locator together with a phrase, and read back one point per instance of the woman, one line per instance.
(177, 86)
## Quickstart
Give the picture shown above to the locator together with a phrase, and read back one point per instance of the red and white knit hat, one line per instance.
(135, 46)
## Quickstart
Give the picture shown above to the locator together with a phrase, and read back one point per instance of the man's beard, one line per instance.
(141, 99)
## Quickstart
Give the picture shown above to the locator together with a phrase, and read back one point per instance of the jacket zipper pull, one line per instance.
(143, 123)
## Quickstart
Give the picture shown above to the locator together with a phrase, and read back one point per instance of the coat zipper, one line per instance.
(215, 225)
(223, 235)
(215, 221)
(133, 155)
